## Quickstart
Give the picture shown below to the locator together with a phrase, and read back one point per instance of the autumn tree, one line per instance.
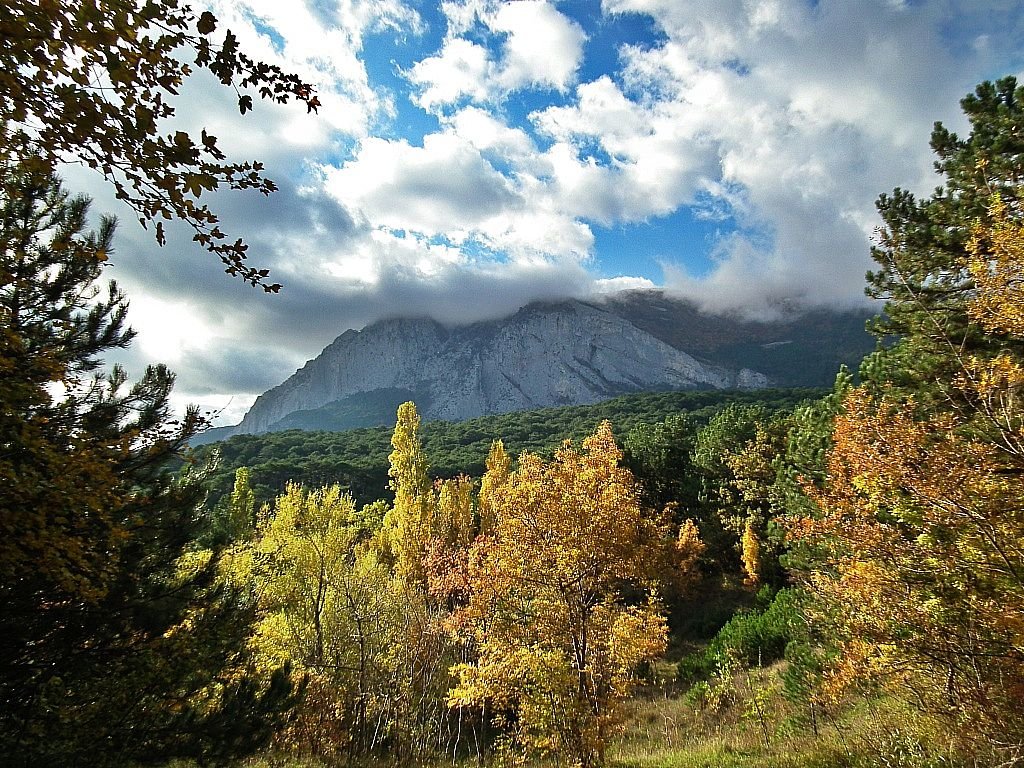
(324, 608)
(734, 456)
(558, 647)
(921, 516)
(407, 525)
(920, 577)
(94, 83)
(756, 497)
(497, 468)
(234, 516)
(115, 642)
(423, 539)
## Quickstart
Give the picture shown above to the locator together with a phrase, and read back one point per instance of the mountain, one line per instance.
(545, 355)
(802, 350)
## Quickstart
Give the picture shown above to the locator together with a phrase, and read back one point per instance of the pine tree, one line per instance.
(115, 642)
(924, 275)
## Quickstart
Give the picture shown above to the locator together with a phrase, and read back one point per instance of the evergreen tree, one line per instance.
(660, 456)
(115, 643)
(922, 250)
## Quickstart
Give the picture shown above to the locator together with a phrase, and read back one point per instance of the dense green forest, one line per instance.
(674, 580)
(357, 459)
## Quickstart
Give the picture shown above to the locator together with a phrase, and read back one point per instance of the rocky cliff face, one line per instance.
(545, 355)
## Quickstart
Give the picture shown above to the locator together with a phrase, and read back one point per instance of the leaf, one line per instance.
(207, 23)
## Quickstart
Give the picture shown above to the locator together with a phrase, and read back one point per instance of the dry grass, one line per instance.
(665, 730)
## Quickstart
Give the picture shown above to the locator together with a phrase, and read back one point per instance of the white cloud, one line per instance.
(656, 157)
(449, 189)
(444, 187)
(489, 134)
(801, 115)
(537, 236)
(611, 285)
(778, 120)
(543, 47)
(601, 111)
(460, 69)
(169, 330)
(322, 48)
(540, 48)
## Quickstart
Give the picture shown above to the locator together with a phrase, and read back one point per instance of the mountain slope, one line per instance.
(802, 350)
(550, 355)
(545, 355)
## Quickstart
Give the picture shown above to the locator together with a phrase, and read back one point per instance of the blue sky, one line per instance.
(473, 155)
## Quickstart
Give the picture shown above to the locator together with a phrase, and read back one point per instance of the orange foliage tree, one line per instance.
(921, 530)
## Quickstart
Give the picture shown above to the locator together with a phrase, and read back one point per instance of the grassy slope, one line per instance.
(665, 730)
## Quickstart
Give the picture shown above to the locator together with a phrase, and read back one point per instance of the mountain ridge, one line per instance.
(549, 354)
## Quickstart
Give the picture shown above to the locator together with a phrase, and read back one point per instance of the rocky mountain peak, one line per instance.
(550, 354)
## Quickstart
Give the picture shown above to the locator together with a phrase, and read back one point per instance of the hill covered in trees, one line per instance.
(357, 458)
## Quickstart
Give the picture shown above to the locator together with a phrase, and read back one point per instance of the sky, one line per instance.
(474, 155)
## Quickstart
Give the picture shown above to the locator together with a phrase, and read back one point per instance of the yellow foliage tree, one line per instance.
(996, 258)
(923, 530)
(557, 646)
(688, 551)
(751, 554)
(324, 608)
(423, 538)
(406, 525)
(498, 466)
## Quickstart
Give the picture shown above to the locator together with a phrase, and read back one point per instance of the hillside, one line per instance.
(358, 458)
(800, 350)
(550, 355)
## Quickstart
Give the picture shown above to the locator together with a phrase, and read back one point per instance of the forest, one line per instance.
(788, 578)
(357, 459)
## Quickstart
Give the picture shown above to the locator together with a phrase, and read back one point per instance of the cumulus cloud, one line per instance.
(807, 111)
(461, 69)
(540, 48)
(777, 120)
(443, 187)
(490, 135)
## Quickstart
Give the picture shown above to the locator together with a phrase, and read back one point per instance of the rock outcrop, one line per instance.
(566, 353)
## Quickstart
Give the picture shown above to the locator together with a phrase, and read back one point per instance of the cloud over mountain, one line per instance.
(472, 155)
